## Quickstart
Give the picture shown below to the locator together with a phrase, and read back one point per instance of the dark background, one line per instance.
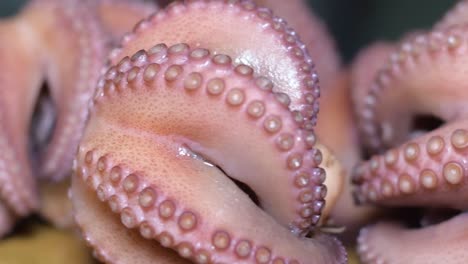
(354, 23)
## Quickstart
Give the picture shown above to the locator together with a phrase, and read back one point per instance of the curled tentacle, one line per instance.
(119, 16)
(366, 66)
(314, 34)
(64, 28)
(393, 244)
(417, 70)
(18, 190)
(422, 165)
(107, 237)
(249, 34)
(275, 50)
(168, 103)
(430, 171)
(432, 165)
(336, 127)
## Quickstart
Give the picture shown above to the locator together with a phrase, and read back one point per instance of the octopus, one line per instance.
(191, 139)
(410, 100)
(43, 115)
(164, 96)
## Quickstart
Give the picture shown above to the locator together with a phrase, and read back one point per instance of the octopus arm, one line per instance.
(153, 152)
(394, 244)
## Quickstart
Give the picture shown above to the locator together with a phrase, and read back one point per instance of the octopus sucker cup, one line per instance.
(166, 126)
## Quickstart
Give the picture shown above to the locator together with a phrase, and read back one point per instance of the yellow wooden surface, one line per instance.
(353, 258)
(47, 245)
(44, 245)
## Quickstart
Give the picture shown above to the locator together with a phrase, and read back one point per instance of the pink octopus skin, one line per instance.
(267, 138)
(62, 26)
(336, 129)
(55, 207)
(426, 74)
(55, 28)
(119, 16)
(295, 62)
(314, 34)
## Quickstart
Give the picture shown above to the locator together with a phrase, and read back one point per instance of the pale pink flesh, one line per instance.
(392, 243)
(136, 126)
(119, 16)
(199, 23)
(56, 28)
(234, 30)
(212, 198)
(455, 16)
(315, 36)
(16, 106)
(418, 69)
(336, 127)
(107, 238)
(405, 181)
(425, 75)
(238, 161)
(65, 27)
(366, 67)
(262, 50)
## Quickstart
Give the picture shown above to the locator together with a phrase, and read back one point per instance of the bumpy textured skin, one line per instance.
(455, 16)
(119, 16)
(136, 249)
(18, 194)
(425, 75)
(336, 126)
(314, 35)
(168, 102)
(275, 51)
(259, 39)
(156, 104)
(70, 40)
(64, 26)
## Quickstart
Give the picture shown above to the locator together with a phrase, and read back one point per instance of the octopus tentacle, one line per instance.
(389, 243)
(417, 70)
(430, 170)
(119, 16)
(249, 34)
(66, 26)
(16, 100)
(455, 16)
(7, 219)
(134, 115)
(314, 35)
(424, 76)
(335, 173)
(104, 233)
(274, 42)
(366, 66)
